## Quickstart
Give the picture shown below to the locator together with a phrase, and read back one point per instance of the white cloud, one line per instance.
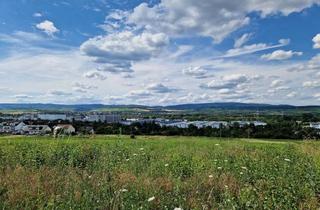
(212, 18)
(48, 27)
(242, 40)
(276, 83)
(83, 88)
(227, 82)
(95, 75)
(137, 94)
(160, 88)
(311, 65)
(248, 49)
(199, 72)
(21, 37)
(292, 94)
(316, 41)
(37, 14)
(317, 96)
(280, 55)
(311, 84)
(116, 52)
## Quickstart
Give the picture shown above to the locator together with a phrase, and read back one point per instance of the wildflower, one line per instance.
(134, 154)
(178, 208)
(151, 199)
(123, 190)
(210, 176)
(217, 144)
(241, 173)
(166, 165)
(245, 168)
(219, 168)
(89, 176)
(141, 148)
(127, 159)
(215, 160)
(225, 160)
(288, 160)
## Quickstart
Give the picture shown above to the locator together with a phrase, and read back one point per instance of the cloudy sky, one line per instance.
(160, 52)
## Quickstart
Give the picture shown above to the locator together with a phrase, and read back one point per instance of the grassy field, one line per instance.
(110, 172)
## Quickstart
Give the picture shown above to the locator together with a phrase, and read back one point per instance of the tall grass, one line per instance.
(111, 172)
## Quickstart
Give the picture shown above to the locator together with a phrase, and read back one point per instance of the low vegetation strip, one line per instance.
(111, 172)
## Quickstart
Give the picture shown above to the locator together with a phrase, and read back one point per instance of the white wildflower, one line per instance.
(127, 159)
(288, 160)
(241, 173)
(245, 168)
(123, 190)
(210, 176)
(219, 168)
(166, 165)
(151, 199)
(141, 148)
(134, 154)
(178, 208)
(217, 144)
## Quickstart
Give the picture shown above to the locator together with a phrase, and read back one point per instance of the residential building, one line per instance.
(52, 117)
(315, 125)
(66, 129)
(36, 129)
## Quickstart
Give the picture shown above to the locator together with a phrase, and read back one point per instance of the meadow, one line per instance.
(116, 172)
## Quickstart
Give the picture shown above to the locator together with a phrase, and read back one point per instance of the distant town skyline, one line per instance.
(160, 52)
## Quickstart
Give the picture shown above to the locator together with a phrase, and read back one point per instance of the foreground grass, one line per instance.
(109, 172)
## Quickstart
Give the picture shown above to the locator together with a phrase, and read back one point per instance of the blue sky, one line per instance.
(160, 52)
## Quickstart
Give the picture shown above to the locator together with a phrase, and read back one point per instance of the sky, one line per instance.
(160, 52)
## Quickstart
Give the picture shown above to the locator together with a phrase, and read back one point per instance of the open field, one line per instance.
(110, 172)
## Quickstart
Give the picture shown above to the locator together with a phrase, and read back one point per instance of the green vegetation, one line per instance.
(110, 172)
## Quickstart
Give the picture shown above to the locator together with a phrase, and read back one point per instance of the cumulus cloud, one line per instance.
(95, 75)
(83, 88)
(137, 94)
(317, 96)
(160, 88)
(316, 41)
(311, 84)
(115, 21)
(310, 65)
(212, 18)
(227, 82)
(48, 27)
(124, 67)
(116, 52)
(276, 83)
(198, 72)
(292, 94)
(280, 55)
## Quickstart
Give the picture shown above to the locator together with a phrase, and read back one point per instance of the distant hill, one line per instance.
(230, 106)
(181, 107)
